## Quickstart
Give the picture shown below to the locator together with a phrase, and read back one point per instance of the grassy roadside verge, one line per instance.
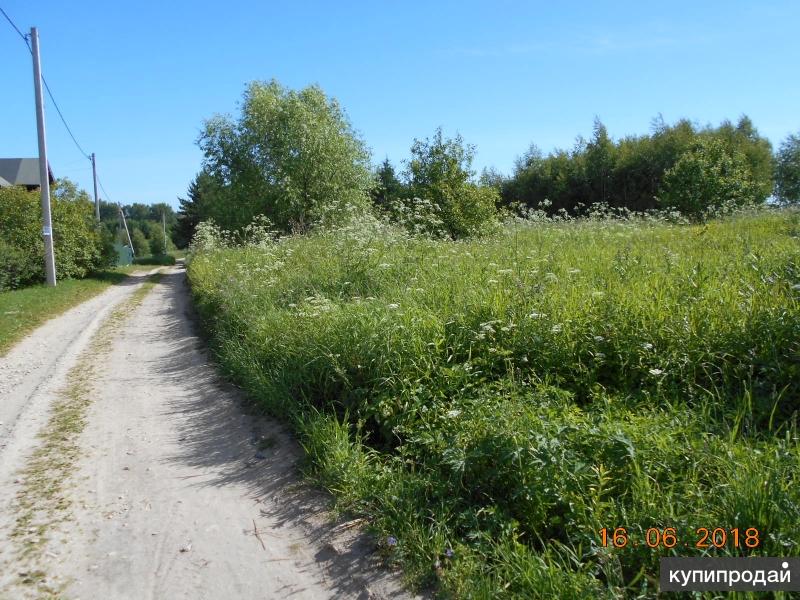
(492, 405)
(22, 311)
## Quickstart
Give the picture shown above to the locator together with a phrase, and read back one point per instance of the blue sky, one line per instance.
(136, 80)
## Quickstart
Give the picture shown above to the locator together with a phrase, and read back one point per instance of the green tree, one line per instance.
(757, 150)
(787, 170)
(708, 177)
(600, 155)
(141, 245)
(440, 170)
(291, 155)
(196, 207)
(388, 187)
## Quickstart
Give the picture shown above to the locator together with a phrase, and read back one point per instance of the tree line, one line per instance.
(294, 157)
(146, 225)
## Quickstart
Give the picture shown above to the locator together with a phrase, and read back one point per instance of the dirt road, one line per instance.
(128, 469)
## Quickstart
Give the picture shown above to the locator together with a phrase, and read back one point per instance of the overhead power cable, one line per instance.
(22, 35)
(47, 87)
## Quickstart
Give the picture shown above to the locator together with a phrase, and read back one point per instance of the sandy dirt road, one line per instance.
(128, 469)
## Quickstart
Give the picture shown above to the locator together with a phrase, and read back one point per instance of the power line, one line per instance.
(64, 121)
(22, 35)
(108, 198)
(47, 87)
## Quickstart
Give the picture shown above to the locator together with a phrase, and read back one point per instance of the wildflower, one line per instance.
(391, 541)
(656, 372)
(384, 265)
(599, 355)
(599, 338)
(551, 276)
(555, 328)
(598, 294)
(449, 553)
(505, 271)
(492, 281)
(535, 315)
(574, 271)
(647, 346)
(453, 413)
(394, 306)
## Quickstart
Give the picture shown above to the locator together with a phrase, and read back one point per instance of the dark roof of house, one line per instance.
(22, 171)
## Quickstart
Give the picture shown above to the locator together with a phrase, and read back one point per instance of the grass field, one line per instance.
(21, 311)
(492, 405)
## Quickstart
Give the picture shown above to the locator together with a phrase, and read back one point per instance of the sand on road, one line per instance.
(129, 469)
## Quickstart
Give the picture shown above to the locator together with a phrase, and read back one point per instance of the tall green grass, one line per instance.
(492, 404)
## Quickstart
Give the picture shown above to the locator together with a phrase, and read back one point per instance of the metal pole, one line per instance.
(96, 199)
(44, 171)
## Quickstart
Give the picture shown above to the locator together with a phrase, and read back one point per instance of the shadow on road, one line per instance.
(219, 435)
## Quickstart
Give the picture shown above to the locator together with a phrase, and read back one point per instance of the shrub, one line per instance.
(708, 178)
(440, 171)
(77, 241)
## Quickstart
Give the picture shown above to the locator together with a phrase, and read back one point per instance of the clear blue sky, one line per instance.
(135, 80)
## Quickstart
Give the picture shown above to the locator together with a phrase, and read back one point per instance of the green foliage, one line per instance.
(141, 245)
(388, 188)
(629, 173)
(78, 244)
(440, 170)
(155, 259)
(787, 171)
(196, 207)
(18, 267)
(708, 178)
(492, 403)
(291, 155)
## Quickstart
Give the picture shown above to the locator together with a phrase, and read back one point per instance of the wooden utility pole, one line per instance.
(96, 199)
(44, 171)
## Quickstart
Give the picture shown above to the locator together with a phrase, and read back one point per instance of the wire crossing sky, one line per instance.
(135, 81)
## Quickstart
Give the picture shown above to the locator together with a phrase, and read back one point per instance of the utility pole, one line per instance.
(96, 199)
(44, 171)
(128, 233)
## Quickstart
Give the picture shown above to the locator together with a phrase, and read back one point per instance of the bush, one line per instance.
(78, 244)
(18, 267)
(708, 178)
(155, 259)
(440, 171)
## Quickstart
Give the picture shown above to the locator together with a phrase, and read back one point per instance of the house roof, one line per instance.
(22, 171)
